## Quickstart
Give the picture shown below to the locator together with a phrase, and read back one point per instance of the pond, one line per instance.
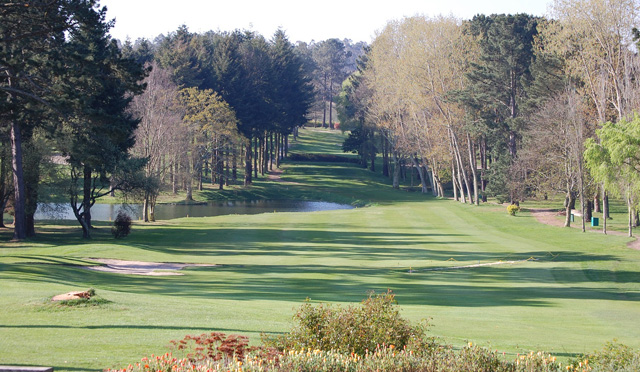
(107, 212)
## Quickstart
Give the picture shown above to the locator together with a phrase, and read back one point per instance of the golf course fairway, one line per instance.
(477, 274)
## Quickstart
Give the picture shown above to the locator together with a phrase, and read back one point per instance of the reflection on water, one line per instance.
(107, 212)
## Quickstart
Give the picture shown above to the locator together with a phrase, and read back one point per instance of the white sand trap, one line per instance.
(474, 265)
(140, 267)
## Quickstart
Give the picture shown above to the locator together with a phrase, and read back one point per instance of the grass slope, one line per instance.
(576, 292)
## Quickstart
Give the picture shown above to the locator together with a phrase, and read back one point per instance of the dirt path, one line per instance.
(140, 267)
(550, 217)
(276, 176)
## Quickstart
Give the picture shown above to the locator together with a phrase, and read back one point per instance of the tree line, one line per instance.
(138, 117)
(239, 98)
(511, 106)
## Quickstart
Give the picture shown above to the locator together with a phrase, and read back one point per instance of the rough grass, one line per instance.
(576, 291)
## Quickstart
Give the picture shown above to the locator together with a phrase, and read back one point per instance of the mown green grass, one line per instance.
(576, 292)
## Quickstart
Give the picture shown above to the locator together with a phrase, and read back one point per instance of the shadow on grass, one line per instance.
(135, 327)
(477, 287)
(59, 368)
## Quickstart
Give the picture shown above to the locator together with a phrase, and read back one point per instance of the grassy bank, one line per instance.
(547, 288)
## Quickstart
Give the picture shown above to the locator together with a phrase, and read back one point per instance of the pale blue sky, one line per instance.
(357, 20)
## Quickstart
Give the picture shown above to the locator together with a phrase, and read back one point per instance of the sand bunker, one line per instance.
(72, 296)
(473, 265)
(140, 267)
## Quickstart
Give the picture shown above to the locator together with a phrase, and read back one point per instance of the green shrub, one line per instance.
(513, 209)
(353, 329)
(121, 225)
(613, 357)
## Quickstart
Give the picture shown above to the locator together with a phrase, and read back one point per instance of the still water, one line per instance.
(107, 212)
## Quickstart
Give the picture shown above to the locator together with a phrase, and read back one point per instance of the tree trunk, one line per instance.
(20, 228)
(473, 163)
(423, 177)
(324, 103)
(483, 168)
(152, 207)
(174, 177)
(3, 205)
(5, 191)
(373, 152)
(453, 180)
(264, 153)
(271, 152)
(278, 149)
(31, 225)
(582, 198)
(219, 167)
(86, 203)
(286, 146)
(567, 221)
(605, 210)
(213, 161)
(460, 180)
(396, 171)
(630, 216)
(256, 157)
(247, 164)
(588, 211)
(572, 201)
(432, 181)
(462, 175)
(331, 104)
(227, 172)
(145, 207)
(234, 164)
(189, 188)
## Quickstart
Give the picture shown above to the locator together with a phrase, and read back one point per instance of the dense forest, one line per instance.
(505, 106)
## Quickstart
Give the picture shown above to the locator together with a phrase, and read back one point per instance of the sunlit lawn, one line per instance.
(566, 293)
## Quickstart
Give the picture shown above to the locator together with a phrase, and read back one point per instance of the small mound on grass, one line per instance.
(79, 298)
(78, 295)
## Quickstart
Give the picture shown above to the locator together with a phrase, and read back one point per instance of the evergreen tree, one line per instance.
(32, 36)
(97, 137)
(497, 82)
(292, 89)
(330, 57)
(178, 54)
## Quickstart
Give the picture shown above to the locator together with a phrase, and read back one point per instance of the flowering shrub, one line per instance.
(512, 209)
(216, 346)
(343, 339)
(613, 357)
(382, 359)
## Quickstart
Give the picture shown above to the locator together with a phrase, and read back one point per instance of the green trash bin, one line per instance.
(595, 221)
(573, 217)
